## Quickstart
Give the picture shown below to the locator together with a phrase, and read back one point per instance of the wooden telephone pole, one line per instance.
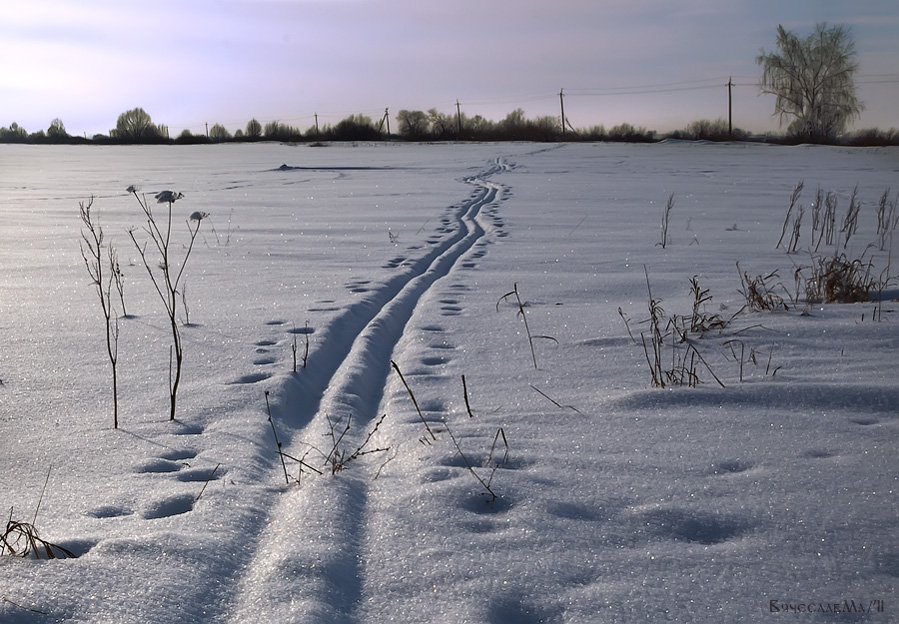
(386, 119)
(730, 107)
(562, 105)
(458, 119)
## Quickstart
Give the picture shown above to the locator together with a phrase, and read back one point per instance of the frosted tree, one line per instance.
(135, 125)
(813, 80)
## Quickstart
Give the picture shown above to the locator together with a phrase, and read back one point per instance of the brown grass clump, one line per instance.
(21, 539)
(759, 292)
(837, 279)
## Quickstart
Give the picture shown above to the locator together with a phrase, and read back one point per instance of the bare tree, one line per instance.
(812, 79)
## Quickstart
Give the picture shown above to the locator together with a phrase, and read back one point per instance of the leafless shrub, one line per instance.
(164, 275)
(338, 458)
(92, 248)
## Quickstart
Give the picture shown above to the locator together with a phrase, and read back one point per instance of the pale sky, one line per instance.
(659, 64)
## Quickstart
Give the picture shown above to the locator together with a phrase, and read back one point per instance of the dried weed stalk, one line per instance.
(521, 312)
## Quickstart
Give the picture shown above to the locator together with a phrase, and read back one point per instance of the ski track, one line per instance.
(313, 534)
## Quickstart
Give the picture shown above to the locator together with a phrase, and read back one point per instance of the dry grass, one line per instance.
(682, 370)
(839, 279)
(759, 291)
(797, 191)
(490, 463)
(666, 219)
(21, 539)
(702, 321)
(338, 458)
(524, 317)
(887, 219)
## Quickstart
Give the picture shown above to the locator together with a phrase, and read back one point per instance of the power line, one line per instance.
(643, 88)
(511, 99)
(643, 91)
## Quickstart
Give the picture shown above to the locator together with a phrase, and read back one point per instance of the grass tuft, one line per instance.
(839, 279)
(758, 291)
(21, 539)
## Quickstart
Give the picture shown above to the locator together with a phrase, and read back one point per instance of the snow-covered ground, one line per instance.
(615, 501)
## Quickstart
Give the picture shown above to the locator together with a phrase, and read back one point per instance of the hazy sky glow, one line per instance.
(646, 62)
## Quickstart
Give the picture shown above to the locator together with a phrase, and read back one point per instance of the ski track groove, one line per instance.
(313, 535)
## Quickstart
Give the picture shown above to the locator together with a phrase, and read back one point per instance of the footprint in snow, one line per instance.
(447, 346)
(209, 473)
(252, 378)
(178, 454)
(109, 511)
(157, 465)
(170, 506)
(682, 525)
(731, 466)
(188, 429)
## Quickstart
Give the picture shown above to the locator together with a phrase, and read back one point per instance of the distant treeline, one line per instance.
(136, 127)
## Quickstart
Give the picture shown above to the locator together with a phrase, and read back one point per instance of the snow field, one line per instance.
(622, 503)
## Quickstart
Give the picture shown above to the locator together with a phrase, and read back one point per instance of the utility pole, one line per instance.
(562, 105)
(316, 125)
(207, 129)
(387, 119)
(730, 107)
(458, 119)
